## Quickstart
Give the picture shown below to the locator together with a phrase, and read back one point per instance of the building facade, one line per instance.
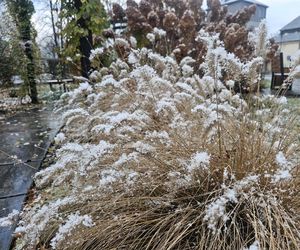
(289, 40)
(236, 5)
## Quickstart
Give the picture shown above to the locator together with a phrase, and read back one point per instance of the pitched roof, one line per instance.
(248, 1)
(288, 37)
(295, 24)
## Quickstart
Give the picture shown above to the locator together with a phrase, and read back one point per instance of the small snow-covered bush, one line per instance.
(157, 157)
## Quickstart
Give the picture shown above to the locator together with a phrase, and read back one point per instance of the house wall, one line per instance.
(234, 7)
(259, 15)
(289, 49)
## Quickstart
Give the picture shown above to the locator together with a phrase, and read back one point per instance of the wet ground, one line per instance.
(24, 140)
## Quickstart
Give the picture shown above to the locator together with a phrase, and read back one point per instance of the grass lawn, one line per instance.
(294, 106)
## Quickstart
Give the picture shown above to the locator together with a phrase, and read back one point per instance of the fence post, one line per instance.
(281, 67)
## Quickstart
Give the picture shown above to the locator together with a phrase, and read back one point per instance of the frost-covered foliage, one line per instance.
(153, 156)
(10, 104)
(171, 27)
(240, 75)
(10, 219)
(72, 222)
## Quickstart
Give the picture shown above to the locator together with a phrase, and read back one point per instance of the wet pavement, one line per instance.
(24, 140)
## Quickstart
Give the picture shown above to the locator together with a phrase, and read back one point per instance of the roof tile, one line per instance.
(295, 24)
(248, 1)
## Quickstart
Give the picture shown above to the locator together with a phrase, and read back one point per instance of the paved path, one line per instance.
(24, 140)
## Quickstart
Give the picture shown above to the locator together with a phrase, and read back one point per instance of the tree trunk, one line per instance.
(85, 49)
(53, 25)
(28, 44)
(86, 43)
(31, 72)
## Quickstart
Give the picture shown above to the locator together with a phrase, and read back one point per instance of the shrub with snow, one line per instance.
(156, 157)
(10, 219)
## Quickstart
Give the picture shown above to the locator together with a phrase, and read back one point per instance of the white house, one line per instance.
(289, 40)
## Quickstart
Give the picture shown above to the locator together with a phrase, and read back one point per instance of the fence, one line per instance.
(279, 72)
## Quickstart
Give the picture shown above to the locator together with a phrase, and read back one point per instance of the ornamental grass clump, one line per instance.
(153, 156)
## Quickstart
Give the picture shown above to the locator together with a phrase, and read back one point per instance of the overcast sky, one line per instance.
(280, 13)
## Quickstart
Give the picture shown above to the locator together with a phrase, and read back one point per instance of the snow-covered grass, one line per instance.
(155, 157)
(10, 102)
(9, 219)
(294, 106)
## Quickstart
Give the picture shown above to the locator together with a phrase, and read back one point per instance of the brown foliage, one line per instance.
(118, 12)
(182, 19)
(272, 49)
